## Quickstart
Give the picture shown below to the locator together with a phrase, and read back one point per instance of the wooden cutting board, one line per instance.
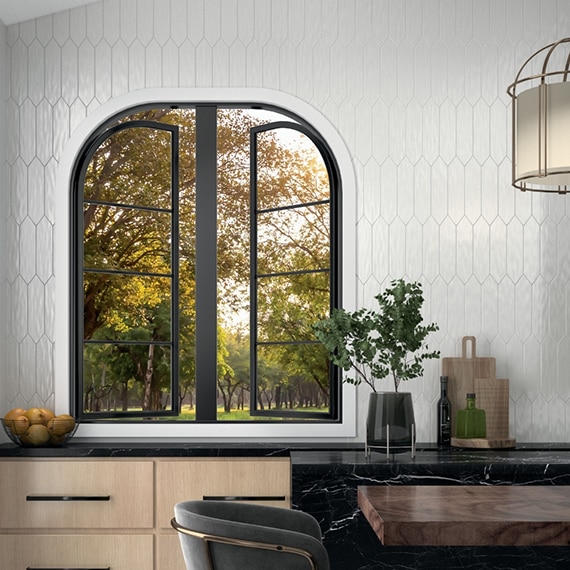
(493, 397)
(462, 371)
(484, 443)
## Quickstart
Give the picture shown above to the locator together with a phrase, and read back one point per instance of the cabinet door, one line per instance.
(76, 494)
(260, 480)
(67, 552)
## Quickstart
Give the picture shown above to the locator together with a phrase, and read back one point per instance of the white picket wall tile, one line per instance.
(417, 91)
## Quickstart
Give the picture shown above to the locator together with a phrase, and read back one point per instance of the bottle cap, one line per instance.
(470, 395)
(443, 378)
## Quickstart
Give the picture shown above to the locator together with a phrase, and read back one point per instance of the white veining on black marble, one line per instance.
(324, 484)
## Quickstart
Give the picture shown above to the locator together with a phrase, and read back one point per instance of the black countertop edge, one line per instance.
(435, 458)
(317, 451)
(170, 448)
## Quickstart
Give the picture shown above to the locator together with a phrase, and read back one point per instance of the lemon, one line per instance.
(35, 415)
(35, 435)
(57, 439)
(14, 413)
(60, 425)
(18, 425)
(48, 415)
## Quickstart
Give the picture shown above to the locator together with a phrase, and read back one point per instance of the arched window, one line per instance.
(205, 243)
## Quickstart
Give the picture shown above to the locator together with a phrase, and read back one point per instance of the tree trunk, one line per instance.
(125, 396)
(148, 379)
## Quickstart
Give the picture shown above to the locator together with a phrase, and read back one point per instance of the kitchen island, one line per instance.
(325, 484)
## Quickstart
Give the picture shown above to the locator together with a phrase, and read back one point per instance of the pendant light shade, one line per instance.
(541, 122)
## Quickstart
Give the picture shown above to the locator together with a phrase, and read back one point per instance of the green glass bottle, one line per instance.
(471, 422)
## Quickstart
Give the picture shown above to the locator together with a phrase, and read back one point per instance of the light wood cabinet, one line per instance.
(78, 494)
(169, 553)
(115, 513)
(93, 551)
(263, 481)
(260, 480)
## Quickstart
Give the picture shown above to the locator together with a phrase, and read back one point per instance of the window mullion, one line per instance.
(206, 263)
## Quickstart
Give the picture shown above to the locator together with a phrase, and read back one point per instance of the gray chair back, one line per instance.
(219, 535)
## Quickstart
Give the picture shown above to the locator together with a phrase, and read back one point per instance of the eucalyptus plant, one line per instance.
(377, 344)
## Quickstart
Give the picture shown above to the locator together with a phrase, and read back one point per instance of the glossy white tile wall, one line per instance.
(3, 213)
(417, 90)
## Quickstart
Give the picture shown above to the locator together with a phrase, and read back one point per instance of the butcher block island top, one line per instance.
(468, 515)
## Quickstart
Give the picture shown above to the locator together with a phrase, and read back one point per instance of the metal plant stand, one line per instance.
(369, 448)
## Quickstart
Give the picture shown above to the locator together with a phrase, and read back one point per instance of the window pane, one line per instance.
(290, 170)
(233, 264)
(293, 239)
(127, 378)
(289, 305)
(132, 166)
(292, 197)
(126, 307)
(233, 218)
(127, 239)
(293, 377)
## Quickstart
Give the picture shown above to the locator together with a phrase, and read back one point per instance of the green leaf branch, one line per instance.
(376, 344)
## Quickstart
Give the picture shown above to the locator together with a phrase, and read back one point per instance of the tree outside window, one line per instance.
(265, 221)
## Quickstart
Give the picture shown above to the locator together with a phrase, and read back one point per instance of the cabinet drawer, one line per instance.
(76, 494)
(263, 481)
(169, 554)
(67, 552)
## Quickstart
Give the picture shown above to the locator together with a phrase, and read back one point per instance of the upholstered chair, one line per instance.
(221, 535)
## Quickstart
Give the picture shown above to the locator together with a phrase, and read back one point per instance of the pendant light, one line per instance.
(541, 121)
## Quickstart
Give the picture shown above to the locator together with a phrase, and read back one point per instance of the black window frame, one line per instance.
(206, 326)
(334, 396)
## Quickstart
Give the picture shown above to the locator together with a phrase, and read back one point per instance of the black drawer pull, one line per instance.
(243, 498)
(67, 568)
(68, 498)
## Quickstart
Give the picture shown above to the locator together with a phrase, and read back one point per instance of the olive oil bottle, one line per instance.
(471, 421)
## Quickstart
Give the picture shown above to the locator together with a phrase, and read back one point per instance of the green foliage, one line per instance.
(376, 345)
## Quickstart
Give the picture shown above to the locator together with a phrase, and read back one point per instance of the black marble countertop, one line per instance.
(83, 447)
(527, 453)
(307, 453)
(527, 465)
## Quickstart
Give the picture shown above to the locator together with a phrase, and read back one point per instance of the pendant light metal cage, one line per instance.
(541, 122)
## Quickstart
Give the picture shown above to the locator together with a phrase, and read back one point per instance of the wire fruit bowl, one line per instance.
(55, 433)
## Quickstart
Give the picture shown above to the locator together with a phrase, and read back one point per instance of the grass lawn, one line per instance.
(186, 414)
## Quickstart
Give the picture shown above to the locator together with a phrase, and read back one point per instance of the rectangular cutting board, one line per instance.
(462, 371)
(493, 397)
(483, 443)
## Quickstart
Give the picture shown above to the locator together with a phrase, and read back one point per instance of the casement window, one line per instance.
(205, 243)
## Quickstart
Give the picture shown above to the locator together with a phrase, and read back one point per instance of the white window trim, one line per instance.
(62, 255)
